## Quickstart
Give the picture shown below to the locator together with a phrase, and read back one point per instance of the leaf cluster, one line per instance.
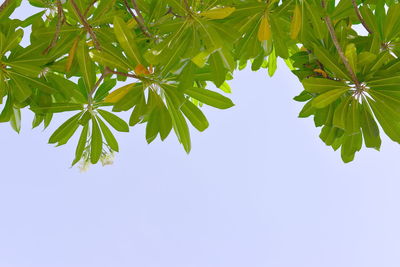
(169, 51)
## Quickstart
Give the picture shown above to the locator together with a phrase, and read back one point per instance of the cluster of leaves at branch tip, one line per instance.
(169, 51)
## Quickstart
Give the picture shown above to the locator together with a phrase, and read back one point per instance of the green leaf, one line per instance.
(65, 129)
(86, 66)
(165, 122)
(108, 136)
(10, 42)
(15, 120)
(339, 117)
(353, 118)
(127, 41)
(195, 116)
(351, 144)
(321, 85)
(81, 144)
(307, 110)
(369, 127)
(7, 111)
(153, 125)
(329, 61)
(385, 119)
(57, 107)
(96, 144)
(116, 122)
(179, 123)
(351, 55)
(209, 98)
(327, 98)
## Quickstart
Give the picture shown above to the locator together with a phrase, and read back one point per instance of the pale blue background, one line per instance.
(259, 189)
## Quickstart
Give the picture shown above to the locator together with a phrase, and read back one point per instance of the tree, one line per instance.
(169, 50)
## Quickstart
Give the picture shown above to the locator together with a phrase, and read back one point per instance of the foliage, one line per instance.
(168, 51)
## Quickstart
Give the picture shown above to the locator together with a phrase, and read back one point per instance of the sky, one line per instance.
(258, 189)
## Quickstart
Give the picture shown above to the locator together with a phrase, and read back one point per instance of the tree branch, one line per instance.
(103, 75)
(5, 4)
(89, 7)
(335, 40)
(60, 22)
(86, 25)
(138, 17)
(360, 17)
(123, 74)
(170, 11)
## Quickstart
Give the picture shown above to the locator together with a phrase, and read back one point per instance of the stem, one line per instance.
(5, 4)
(335, 40)
(97, 84)
(60, 22)
(170, 11)
(89, 7)
(86, 25)
(139, 18)
(360, 17)
(123, 74)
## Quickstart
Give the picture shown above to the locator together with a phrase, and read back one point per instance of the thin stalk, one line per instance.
(89, 7)
(86, 25)
(5, 4)
(335, 40)
(97, 84)
(60, 22)
(139, 18)
(360, 17)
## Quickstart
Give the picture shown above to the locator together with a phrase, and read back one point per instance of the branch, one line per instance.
(86, 25)
(5, 4)
(123, 74)
(89, 7)
(60, 22)
(138, 18)
(335, 40)
(103, 75)
(170, 11)
(360, 17)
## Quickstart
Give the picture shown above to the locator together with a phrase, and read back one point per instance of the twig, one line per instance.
(123, 74)
(86, 25)
(138, 17)
(170, 11)
(346, 63)
(5, 4)
(89, 7)
(360, 17)
(60, 22)
(129, 9)
(97, 84)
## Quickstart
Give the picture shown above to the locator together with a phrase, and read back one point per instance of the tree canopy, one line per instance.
(345, 54)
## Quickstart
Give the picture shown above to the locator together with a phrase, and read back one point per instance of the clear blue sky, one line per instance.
(259, 189)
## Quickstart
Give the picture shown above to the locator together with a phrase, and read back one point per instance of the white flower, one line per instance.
(84, 165)
(107, 159)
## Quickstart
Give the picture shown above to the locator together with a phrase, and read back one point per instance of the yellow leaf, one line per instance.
(118, 94)
(264, 32)
(295, 26)
(218, 13)
(71, 55)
